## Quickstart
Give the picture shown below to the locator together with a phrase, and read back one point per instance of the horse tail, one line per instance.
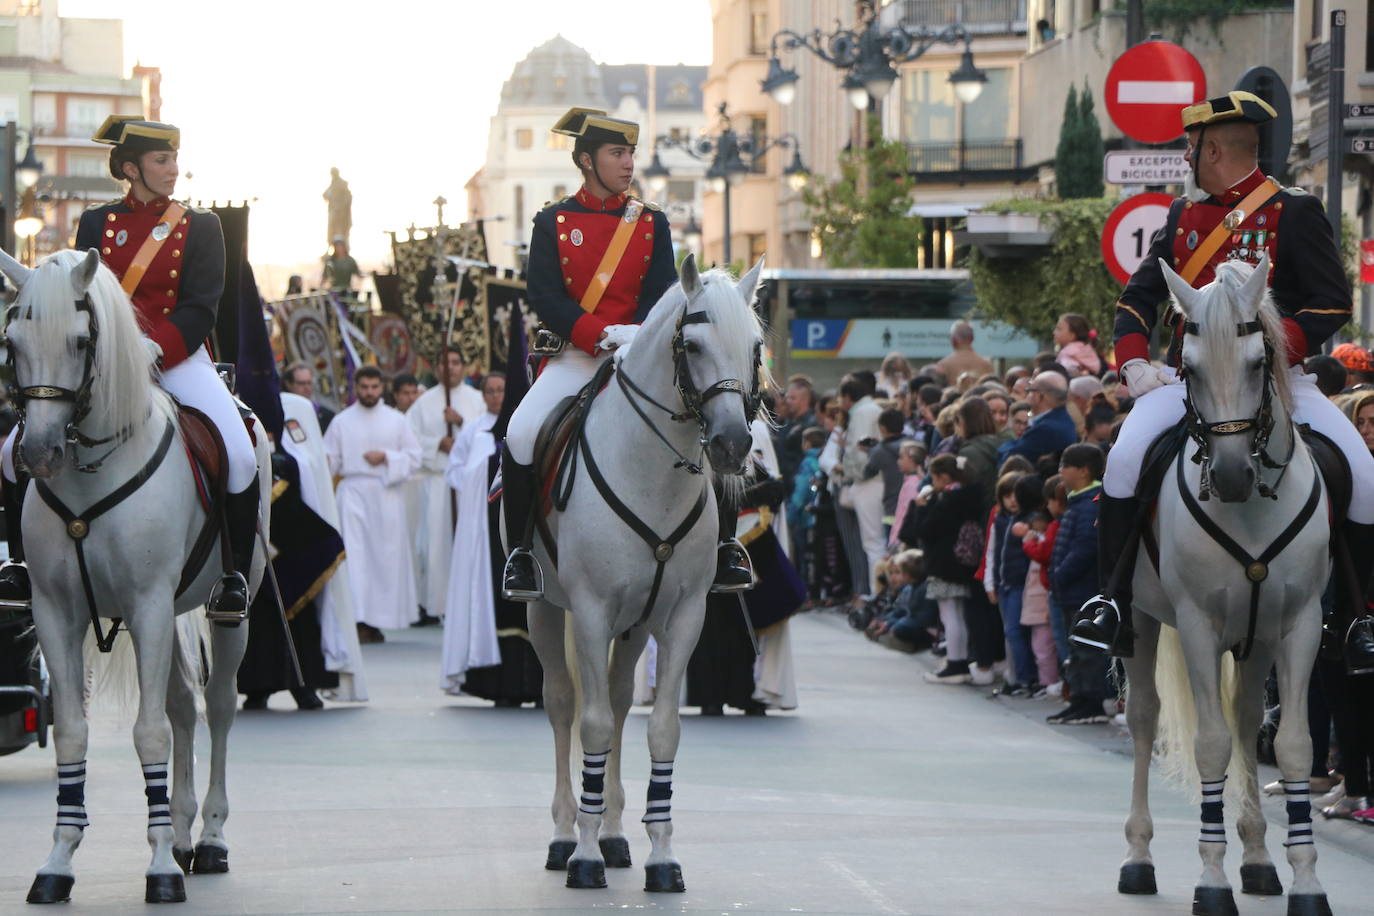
(1174, 742)
(111, 686)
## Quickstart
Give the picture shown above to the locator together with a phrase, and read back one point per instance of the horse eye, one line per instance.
(692, 347)
(82, 343)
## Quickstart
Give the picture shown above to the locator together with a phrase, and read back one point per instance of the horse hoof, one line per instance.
(165, 889)
(51, 889)
(586, 873)
(616, 851)
(1260, 879)
(560, 851)
(1214, 901)
(1137, 878)
(183, 858)
(210, 860)
(1308, 905)
(664, 878)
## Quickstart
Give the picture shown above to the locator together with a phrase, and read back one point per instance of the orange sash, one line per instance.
(615, 252)
(150, 247)
(1209, 245)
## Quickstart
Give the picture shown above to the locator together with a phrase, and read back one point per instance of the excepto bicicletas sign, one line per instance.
(1145, 167)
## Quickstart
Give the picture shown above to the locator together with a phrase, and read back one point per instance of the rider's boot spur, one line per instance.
(229, 606)
(1105, 620)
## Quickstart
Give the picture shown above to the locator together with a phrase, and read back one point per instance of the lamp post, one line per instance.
(14, 172)
(868, 53)
(727, 152)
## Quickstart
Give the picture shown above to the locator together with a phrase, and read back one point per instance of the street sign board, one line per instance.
(1126, 236)
(1158, 166)
(1362, 144)
(1148, 87)
(1359, 110)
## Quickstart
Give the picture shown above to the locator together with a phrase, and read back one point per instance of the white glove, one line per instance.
(1142, 378)
(618, 336)
(154, 351)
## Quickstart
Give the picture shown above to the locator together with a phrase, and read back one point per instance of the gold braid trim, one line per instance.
(315, 587)
(765, 520)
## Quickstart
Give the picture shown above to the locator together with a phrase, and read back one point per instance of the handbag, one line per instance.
(968, 545)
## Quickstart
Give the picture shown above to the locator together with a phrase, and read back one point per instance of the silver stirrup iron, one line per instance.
(212, 609)
(521, 594)
(735, 589)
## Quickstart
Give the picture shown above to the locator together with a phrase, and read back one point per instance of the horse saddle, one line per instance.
(554, 461)
(210, 468)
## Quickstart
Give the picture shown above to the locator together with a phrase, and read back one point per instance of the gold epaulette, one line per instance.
(653, 206)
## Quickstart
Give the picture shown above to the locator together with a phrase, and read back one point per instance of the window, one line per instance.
(989, 117)
(682, 190)
(678, 134)
(940, 130)
(758, 246)
(758, 136)
(1317, 18)
(85, 116)
(86, 166)
(758, 28)
(559, 141)
(524, 138)
(520, 205)
(929, 112)
(680, 93)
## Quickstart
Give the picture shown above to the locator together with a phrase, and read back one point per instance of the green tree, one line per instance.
(1090, 144)
(1066, 154)
(862, 216)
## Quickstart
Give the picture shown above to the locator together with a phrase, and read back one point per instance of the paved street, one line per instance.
(882, 794)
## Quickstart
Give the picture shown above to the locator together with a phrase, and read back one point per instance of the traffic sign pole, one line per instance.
(1335, 125)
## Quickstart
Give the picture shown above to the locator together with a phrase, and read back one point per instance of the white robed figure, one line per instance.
(470, 611)
(372, 448)
(302, 440)
(437, 418)
(775, 677)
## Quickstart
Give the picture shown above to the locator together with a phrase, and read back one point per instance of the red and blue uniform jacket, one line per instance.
(178, 297)
(1307, 281)
(570, 237)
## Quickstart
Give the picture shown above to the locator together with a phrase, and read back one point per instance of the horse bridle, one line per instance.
(20, 395)
(1260, 426)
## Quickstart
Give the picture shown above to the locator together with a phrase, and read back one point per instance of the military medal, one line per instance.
(161, 231)
(1191, 241)
(1261, 220)
(1233, 219)
(121, 237)
(1260, 238)
(1245, 238)
(576, 237)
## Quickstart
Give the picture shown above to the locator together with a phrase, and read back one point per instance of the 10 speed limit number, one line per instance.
(1126, 236)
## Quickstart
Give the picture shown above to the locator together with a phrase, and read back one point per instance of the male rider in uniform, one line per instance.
(1231, 205)
(598, 262)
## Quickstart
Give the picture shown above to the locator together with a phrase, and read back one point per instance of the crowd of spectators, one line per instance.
(951, 509)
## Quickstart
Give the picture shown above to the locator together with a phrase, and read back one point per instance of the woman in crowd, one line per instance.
(1076, 341)
(978, 441)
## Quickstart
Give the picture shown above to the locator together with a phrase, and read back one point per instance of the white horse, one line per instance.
(82, 373)
(1242, 574)
(642, 568)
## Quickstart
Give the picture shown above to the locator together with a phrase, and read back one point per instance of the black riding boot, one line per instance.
(1354, 627)
(733, 570)
(15, 591)
(1105, 620)
(230, 605)
(522, 579)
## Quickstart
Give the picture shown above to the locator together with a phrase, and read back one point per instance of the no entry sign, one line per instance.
(1126, 237)
(1148, 87)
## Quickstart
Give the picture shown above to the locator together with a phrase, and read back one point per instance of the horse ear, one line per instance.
(1253, 289)
(14, 272)
(1185, 295)
(749, 283)
(691, 277)
(85, 271)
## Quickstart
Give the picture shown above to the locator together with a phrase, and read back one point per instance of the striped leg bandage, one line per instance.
(1297, 794)
(594, 783)
(71, 795)
(660, 807)
(1213, 825)
(155, 787)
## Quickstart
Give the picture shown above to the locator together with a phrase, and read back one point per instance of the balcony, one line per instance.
(980, 17)
(968, 161)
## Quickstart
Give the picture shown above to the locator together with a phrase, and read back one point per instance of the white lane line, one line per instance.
(870, 893)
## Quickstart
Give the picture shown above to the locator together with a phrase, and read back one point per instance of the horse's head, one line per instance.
(67, 317)
(717, 343)
(1230, 329)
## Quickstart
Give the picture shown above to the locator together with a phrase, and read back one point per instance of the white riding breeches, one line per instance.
(195, 383)
(1163, 407)
(564, 375)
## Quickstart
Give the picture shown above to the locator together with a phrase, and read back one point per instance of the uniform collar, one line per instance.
(597, 205)
(1236, 193)
(138, 206)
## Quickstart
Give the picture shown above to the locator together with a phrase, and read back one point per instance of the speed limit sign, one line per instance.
(1126, 236)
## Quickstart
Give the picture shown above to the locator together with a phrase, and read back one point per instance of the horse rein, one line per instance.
(80, 398)
(1261, 426)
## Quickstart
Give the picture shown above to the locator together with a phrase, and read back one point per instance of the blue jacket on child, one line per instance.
(797, 516)
(1010, 562)
(1073, 566)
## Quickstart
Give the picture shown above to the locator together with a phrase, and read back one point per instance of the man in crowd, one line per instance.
(436, 419)
(372, 448)
(861, 435)
(798, 411)
(405, 388)
(1051, 429)
(300, 379)
(963, 357)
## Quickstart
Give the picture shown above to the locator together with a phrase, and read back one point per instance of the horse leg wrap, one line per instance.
(660, 807)
(71, 795)
(1296, 793)
(155, 787)
(594, 783)
(1213, 825)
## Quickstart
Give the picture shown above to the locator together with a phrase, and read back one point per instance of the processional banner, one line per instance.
(310, 331)
(427, 306)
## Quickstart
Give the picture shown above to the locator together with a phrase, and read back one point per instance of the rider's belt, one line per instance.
(547, 343)
(1202, 256)
(151, 246)
(615, 252)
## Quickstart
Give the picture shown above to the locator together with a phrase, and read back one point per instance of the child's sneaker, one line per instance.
(1055, 690)
(952, 673)
(982, 677)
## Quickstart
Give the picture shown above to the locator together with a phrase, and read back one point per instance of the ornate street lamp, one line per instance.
(727, 152)
(29, 169)
(869, 55)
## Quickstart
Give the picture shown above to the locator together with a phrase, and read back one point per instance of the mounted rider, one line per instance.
(1231, 212)
(598, 262)
(170, 260)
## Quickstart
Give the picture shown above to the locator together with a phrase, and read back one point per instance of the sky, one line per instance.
(398, 94)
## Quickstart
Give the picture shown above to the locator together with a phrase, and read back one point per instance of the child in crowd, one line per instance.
(883, 460)
(1075, 339)
(910, 461)
(1073, 579)
(808, 484)
(1034, 520)
(904, 627)
(1039, 547)
(940, 523)
(1004, 579)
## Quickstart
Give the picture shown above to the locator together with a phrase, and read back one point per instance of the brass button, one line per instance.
(110, 217)
(105, 251)
(565, 260)
(562, 218)
(562, 236)
(172, 274)
(176, 252)
(166, 311)
(1278, 206)
(646, 259)
(567, 280)
(183, 221)
(648, 236)
(1180, 231)
(648, 219)
(1188, 205)
(171, 292)
(109, 233)
(176, 235)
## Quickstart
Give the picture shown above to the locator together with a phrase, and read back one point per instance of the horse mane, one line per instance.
(122, 384)
(1230, 277)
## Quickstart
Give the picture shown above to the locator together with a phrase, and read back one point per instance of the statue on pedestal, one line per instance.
(340, 201)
